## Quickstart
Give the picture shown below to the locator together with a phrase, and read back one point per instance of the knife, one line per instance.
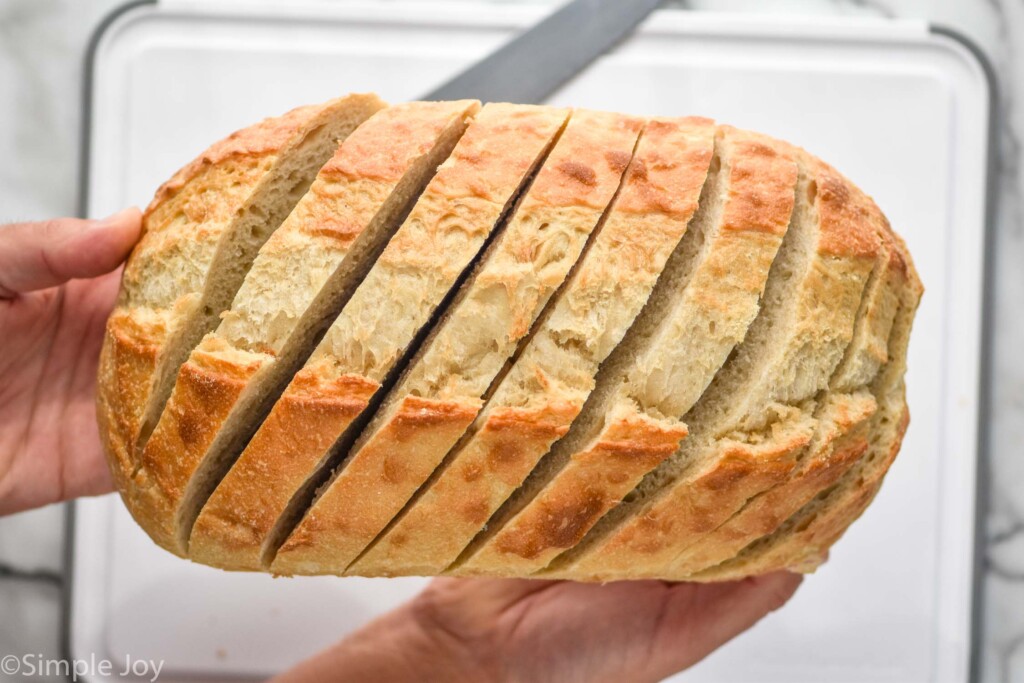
(534, 64)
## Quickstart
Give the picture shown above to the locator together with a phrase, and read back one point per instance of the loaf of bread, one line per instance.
(510, 340)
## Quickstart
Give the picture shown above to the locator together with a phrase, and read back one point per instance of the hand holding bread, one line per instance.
(58, 282)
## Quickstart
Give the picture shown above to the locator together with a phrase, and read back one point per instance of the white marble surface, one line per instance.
(41, 48)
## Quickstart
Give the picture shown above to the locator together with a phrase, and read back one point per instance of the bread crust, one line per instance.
(735, 471)
(127, 362)
(803, 545)
(841, 440)
(451, 220)
(204, 394)
(139, 324)
(234, 523)
(269, 136)
(584, 491)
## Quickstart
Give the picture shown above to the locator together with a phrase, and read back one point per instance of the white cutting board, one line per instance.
(900, 110)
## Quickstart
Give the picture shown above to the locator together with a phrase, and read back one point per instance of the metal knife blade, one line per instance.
(534, 64)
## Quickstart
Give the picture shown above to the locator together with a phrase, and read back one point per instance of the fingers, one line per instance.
(39, 255)
(704, 617)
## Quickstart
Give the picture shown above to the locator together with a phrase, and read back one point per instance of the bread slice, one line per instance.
(452, 219)
(445, 385)
(626, 427)
(802, 542)
(748, 429)
(301, 278)
(844, 423)
(200, 233)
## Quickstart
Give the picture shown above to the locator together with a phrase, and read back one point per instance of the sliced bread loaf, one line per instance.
(588, 347)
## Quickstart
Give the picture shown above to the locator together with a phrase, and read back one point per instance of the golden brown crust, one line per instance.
(127, 362)
(303, 424)
(383, 151)
(760, 179)
(443, 518)
(669, 163)
(819, 534)
(847, 215)
(594, 482)
(165, 276)
(845, 429)
(381, 477)
(804, 547)
(268, 136)
(587, 165)
(203, 396)
(488, 156)
(697, 504)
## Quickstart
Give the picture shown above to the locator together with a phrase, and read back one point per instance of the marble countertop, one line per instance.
(41, 48)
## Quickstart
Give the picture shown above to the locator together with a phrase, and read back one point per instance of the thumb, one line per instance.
(48, 253)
